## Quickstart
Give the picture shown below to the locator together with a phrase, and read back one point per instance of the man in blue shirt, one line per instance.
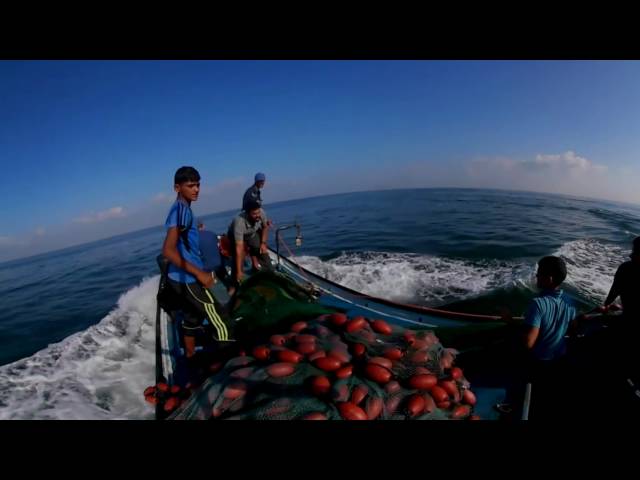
(549, 314)
(187, 275)
(548, 318)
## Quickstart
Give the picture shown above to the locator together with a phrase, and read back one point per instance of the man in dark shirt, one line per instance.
(253, 192)
(253, 197)
(626, 284)
(626, 334)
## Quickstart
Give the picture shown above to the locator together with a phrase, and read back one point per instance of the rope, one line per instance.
(430, 310)
(291, 255)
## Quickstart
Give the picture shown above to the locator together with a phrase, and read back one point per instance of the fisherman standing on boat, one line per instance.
(253, 192)
(549, 314)
(626, 285)
(250, 227)
(187, 275)
(546, 321)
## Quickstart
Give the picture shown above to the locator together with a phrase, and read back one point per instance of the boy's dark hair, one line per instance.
(251, 205)
(636, 246)
(186, 174)
(555, 267)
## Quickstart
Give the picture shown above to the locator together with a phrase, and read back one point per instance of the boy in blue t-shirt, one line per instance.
(549, 314)
(546, 321)
(187, 276)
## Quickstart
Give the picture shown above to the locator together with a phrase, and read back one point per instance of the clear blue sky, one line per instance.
(89, 149)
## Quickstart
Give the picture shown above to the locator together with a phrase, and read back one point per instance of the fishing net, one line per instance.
(334, 367)
(269, 300)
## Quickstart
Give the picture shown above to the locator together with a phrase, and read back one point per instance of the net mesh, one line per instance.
(334, 367)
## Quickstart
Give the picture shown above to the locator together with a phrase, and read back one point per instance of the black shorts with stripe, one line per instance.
(197, 304)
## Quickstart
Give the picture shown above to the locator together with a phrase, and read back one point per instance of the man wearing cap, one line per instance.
(251, 196)
(253, 192)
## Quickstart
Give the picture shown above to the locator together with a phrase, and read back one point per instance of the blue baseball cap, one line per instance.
(260, 177)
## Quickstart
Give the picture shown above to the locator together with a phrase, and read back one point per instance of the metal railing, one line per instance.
(287, 227)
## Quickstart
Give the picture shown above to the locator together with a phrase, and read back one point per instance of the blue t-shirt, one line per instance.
(551, 312)
(181, 216)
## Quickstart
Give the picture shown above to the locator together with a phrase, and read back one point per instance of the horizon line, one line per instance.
(76, 245)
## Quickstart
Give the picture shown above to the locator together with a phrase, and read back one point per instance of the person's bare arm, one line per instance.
(530, 336)
(531, 325)
(263, 240)
(264, 235)
(614, 292)
(239, 259)
(170, 251)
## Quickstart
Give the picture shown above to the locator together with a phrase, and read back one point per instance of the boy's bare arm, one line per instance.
(170, 251)
(530, 336)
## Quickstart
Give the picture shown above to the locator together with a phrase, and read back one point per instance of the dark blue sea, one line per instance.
(77, 325)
